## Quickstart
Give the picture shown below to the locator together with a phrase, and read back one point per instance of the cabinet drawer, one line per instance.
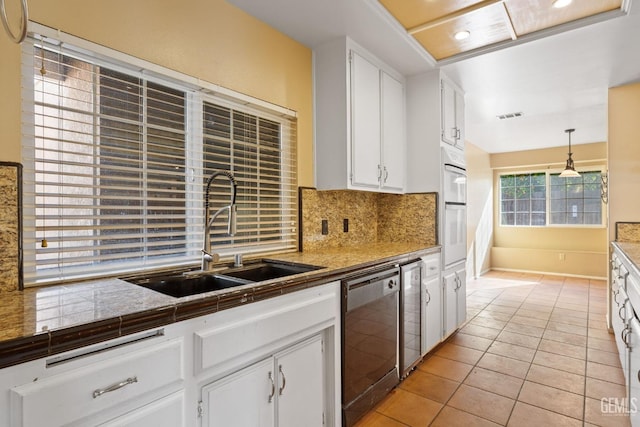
(255, 327)
(431, 265)
(76, 394)
(167, 411)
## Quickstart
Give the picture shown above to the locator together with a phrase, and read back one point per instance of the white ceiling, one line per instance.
(557, 82)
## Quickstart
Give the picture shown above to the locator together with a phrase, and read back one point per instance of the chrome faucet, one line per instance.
(207, 256)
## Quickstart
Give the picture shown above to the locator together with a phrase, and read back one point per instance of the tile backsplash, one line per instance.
(10, 227)
(372, 217)
(628, 232)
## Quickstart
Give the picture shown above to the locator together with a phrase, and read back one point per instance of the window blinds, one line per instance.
(116, 162)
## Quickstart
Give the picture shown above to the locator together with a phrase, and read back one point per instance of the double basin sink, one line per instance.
(197, 282)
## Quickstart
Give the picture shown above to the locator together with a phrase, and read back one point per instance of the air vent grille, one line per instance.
(510, 115)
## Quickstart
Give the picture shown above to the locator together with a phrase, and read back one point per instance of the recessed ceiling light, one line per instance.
(461, 35)
(561, 3)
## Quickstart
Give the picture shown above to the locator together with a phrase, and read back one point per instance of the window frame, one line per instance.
(548, 172)
(197, 92)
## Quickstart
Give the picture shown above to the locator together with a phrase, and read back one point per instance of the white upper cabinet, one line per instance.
(435, 118)
(393, 139)
(365, 123)
(452, 101)
(360, 120)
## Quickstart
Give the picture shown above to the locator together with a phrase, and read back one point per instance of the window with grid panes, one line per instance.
(523, 199)
(575, 200)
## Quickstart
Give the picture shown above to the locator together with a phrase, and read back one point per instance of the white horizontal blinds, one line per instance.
(116, 163)
(105, 157)
(259, 151)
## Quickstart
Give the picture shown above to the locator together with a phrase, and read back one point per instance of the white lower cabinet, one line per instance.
(455, 298)
(300, 390)
(272, 362)
(244, 398)
(431, 303)
(125, 378)
(285, 389)
(634, 371)
(625, 308)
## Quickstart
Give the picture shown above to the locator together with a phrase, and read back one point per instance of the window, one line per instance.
(116, 160)
(576, 200)
(523, 199)
(541, 198)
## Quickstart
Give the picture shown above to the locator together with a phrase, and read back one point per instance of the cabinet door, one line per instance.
(460, 120)
(245, 398)
(448, 113)
(300, 386)
(365, 123)
(393, 141)
(450, 304)
(432, 316)
(633, 378)
(619, 319)
(461, 296)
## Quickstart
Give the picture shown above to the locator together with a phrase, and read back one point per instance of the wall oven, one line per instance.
(369, 340)
(454, 193)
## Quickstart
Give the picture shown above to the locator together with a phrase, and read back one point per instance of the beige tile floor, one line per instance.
(534, 351)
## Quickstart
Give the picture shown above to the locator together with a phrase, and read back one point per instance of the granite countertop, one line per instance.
(632, 251)
(38, 322)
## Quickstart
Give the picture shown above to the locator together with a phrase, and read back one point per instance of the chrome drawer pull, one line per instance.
(273, 387)
(623, 318)
(114, 387)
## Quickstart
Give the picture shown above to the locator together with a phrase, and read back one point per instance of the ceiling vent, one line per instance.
(509, 115)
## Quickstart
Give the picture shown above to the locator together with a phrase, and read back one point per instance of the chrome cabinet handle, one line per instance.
(284, 380)
(624, 334)
(615, 296)
(379, 173)
(273, 387)
(113, 387)
(429, 295)
(386, 174)
(620, 312)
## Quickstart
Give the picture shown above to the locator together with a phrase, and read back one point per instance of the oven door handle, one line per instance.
(455, 169)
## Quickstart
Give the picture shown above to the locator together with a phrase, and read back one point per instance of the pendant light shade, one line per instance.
(569, 170)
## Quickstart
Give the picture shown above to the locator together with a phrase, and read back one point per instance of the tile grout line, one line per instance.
(467, 322)
(517, 399)
(492, 300)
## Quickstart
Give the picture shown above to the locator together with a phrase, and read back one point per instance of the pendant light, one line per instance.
(569, 170)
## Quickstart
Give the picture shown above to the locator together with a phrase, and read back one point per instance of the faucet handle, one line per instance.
(237, 260)
(232, 227)
(206, 256)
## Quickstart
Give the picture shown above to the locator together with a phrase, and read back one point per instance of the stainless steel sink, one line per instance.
(196, 282)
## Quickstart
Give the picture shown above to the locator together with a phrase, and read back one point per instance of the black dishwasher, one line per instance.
(369, 340)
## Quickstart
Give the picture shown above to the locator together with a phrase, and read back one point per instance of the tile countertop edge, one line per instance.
(26, 348)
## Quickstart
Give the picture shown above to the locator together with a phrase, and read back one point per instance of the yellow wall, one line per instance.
(207, 39)
(624, 155)
(540, 248)
(479, 210)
